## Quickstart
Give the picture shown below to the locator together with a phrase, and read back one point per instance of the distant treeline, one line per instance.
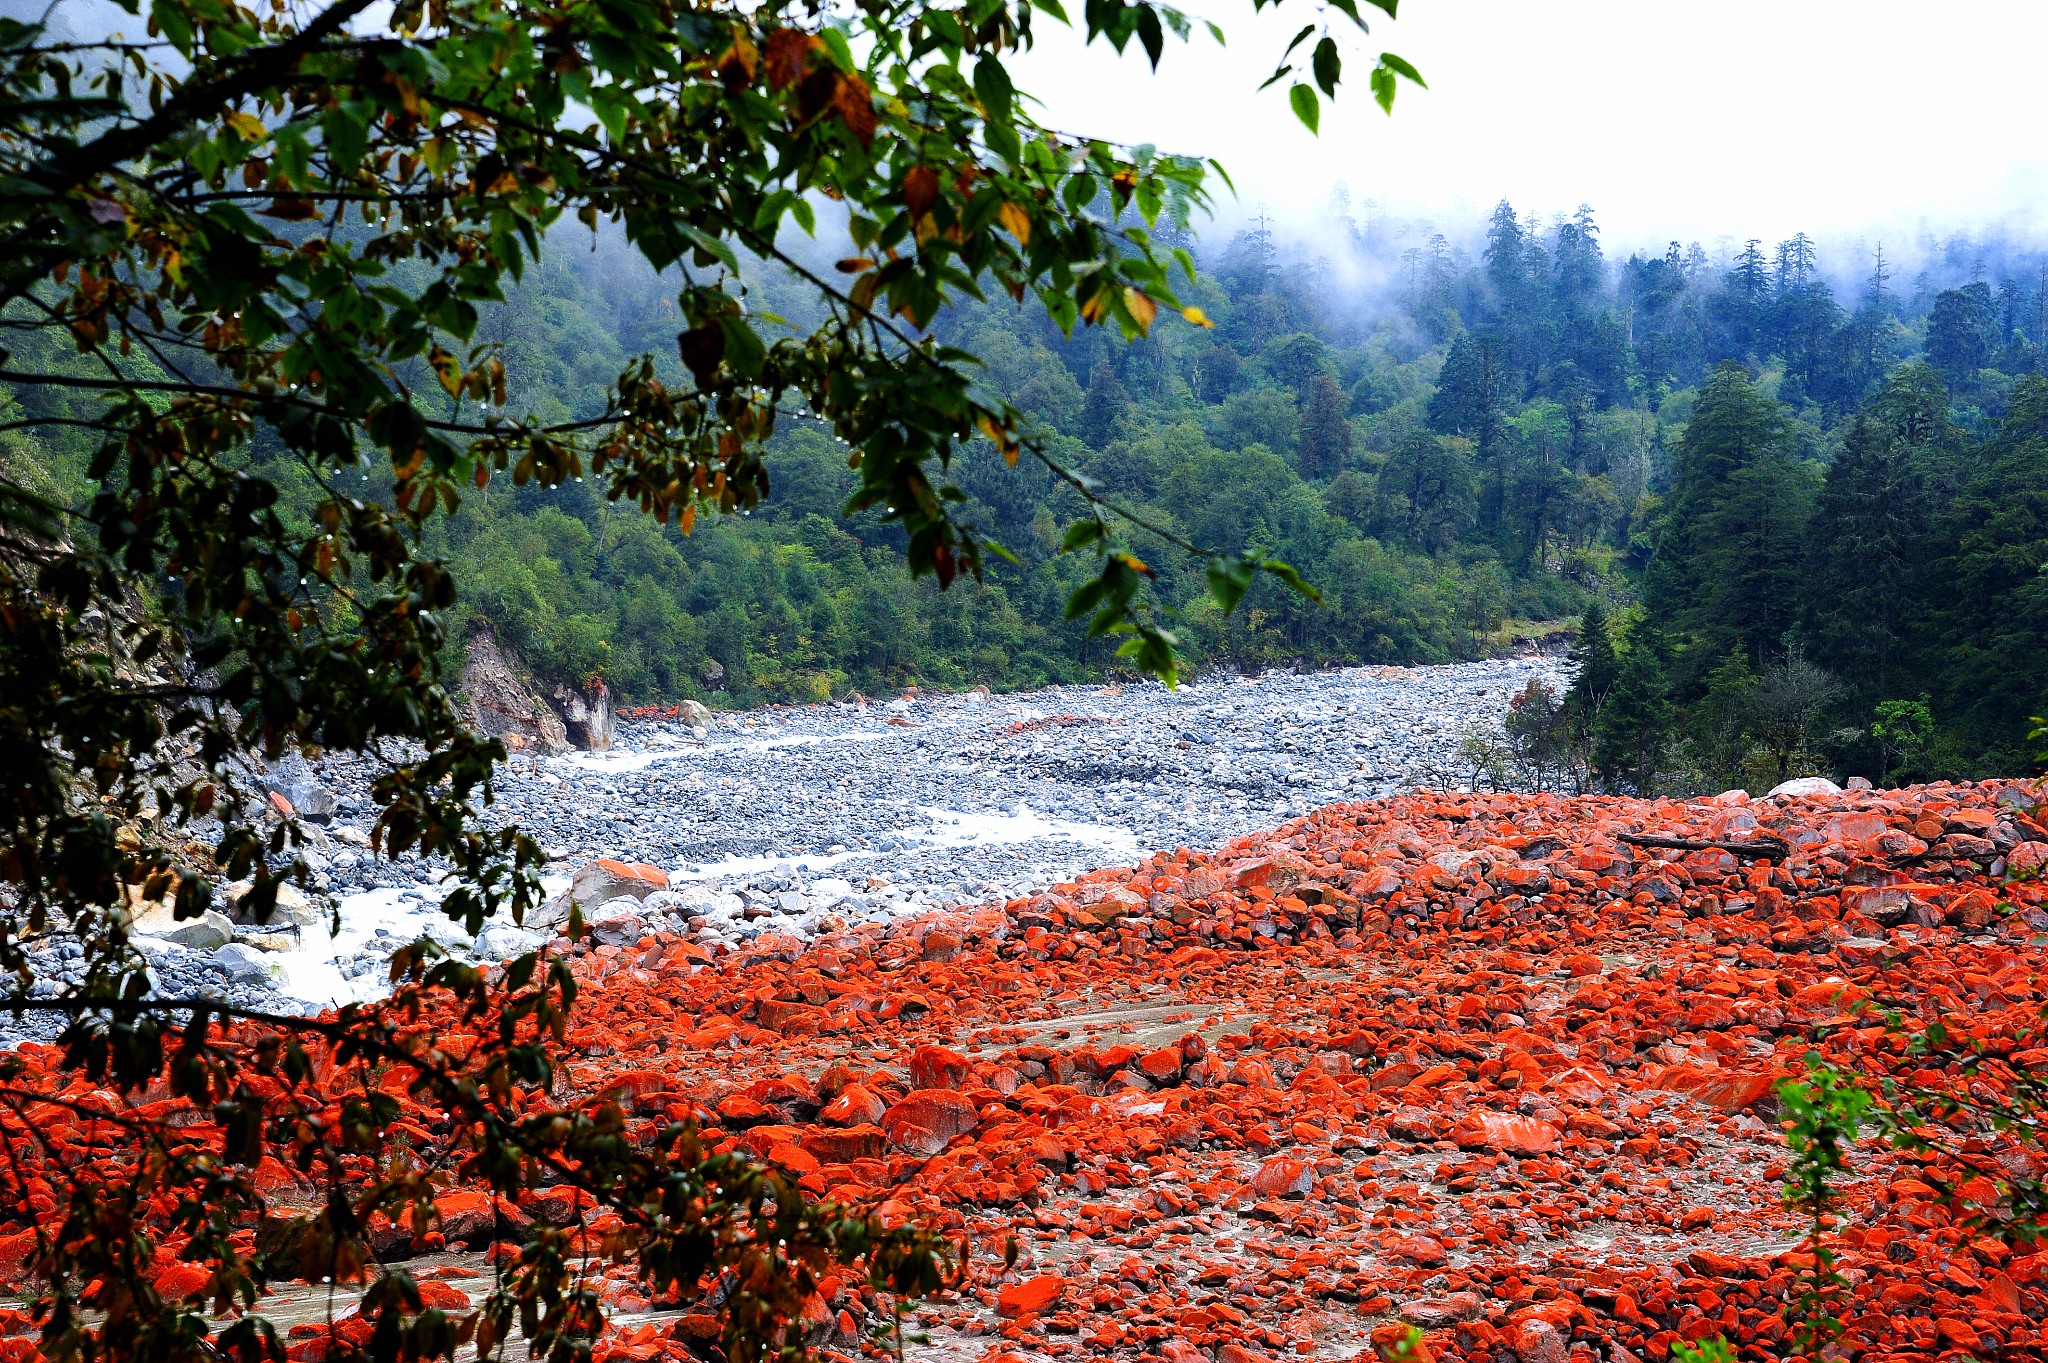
(1730, 459)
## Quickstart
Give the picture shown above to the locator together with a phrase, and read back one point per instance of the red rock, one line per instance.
(469, 1217)
(854, 1106)
(847, 1145)
(1030, 1298)
(1161, 1066)
(186, 1280)
(1513, 1135)
(928, 1115)
(1539, 1341)
(935, 1067)
(1282, 1176)
(1344, 1044)
(1394, 1342)
(441, 1297)
(1957, 1334)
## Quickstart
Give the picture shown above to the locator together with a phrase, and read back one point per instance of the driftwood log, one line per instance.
(1757, 849)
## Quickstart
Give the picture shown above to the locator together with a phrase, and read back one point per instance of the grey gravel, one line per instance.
(800, 820)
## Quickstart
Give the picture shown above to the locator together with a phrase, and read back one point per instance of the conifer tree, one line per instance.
(1694, 586)
(1105, 402)
(1872, 536)
(1593, 658)
(1325, 429)
(1632, 735)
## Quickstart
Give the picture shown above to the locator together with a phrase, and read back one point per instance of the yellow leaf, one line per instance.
(1142, 308)
(248, 127)
(1015, 221)
(1197, 316)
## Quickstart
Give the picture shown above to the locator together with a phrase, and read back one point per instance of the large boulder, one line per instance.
(618, 923)
(244, 964)
(503, 941)
(295, 781)
(604, 879)
(1806, 785)
(500, 700)
(293, 912)
(586, 715)
(209, 931)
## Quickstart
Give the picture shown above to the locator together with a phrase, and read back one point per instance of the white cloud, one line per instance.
(1746, 117)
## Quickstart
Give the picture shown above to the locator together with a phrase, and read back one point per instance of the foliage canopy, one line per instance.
(275, 227)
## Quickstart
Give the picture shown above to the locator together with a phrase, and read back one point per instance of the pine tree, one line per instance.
(1739, 306)
(1960, 333)
(1105, 402)
(1873, 534)
(1425, 492)
(1717, 727)
(1325, 443)
(1753, 555)
(1693, 583)
(1991, 613)
(1633, 733)
(1593, 658)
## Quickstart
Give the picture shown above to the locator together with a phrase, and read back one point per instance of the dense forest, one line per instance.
(1802, 500)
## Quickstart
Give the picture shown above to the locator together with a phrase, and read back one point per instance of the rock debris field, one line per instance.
(1491, 1067)
(800, 820)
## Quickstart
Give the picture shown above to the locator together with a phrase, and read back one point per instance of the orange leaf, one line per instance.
(788, 56)
(855, 104)
(920, 190)
(1015, 221)
(736, 67)
(1142, 308)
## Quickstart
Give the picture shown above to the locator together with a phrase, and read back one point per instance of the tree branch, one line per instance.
(1761, 848)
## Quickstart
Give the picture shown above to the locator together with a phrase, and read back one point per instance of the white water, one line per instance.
(311, 971)
(618, 760)
(951, 828)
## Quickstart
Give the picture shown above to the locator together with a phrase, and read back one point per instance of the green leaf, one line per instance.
(1002, 140)
(1308, 109)
(842, 54)
(346, 131)
(1215, 32)
(1149, 32)
(1295, 581)
(1229, 580)
(1328, 66)
(710, 246)
(1399, 66)
(992, 86)
(171, 21)
(1081, 534)
(1383, 88)
(1349, 9)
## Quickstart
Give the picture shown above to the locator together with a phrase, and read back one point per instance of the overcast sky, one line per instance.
(1738, 117)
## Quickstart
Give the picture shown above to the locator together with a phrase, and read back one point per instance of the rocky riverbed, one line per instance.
(797, 820)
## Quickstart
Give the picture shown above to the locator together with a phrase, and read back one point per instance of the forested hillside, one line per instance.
(1800, 488)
